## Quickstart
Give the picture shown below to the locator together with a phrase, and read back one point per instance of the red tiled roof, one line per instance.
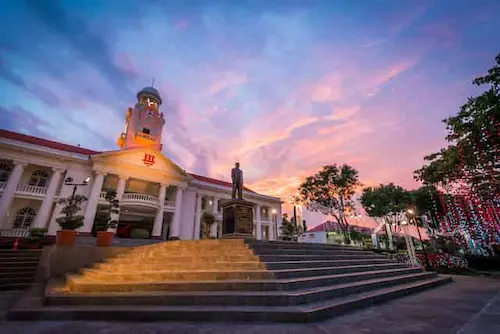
(75, 149)
(44, 142)
(214, 181)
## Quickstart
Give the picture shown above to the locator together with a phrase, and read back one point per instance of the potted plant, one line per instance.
(105, 220)
(208, 219)
(36, 238)
(70, 221)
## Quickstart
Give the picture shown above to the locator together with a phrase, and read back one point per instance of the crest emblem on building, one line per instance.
(149, 159)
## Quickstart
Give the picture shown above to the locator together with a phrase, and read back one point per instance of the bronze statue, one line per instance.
(237, 177)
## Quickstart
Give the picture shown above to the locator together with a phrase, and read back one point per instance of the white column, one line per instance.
(92, 201)
(120, 189)
(271, 225)
(44, 211)
(257, 222)
(158, 224)
(214, 227)
(10, 188)
(197, 217)
(175, 229)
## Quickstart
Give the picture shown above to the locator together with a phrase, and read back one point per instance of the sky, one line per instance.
(284, 86)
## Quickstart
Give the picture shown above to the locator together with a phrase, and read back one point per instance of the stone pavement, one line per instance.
(470, 305)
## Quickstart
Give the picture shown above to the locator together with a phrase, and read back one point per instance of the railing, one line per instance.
(14, 233)
(143, 198)
(3, 185)
(31, 190)
(170, 204)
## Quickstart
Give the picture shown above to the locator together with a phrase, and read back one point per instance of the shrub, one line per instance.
(139, 233)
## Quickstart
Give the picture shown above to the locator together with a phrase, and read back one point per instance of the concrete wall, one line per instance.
(56, 262)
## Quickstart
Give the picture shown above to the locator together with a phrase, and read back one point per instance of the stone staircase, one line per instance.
(18, 268)
(229, 280)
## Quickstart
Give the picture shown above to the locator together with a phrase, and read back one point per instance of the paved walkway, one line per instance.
(471, 305)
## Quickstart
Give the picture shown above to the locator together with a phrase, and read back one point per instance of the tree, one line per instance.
(289, 229)
(104, 219)
(208, 219)
(386, 202)
(329, 192)
(473, 155)
(426, 202)
(72, 205)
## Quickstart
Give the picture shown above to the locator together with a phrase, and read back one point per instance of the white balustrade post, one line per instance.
(197, 219)
(158, 224)
(10, 188)
(257, 221)
(175, 229)
(92, 201)
(44, 211)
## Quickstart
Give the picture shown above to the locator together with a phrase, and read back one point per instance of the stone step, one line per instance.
(320, 263)
(9, 270)
(78, 284)
(156, 274)
(175, 275)
(16, 279)
(20, 251)
(322, 271)
(17, 273)
(302, 313)
(18, 263)
(22, 255)
(181, 266)
(236, 298)
(303, 257)
(305, 251)
(289, 244)
(202, 258)
(305, 246)
(14, 286)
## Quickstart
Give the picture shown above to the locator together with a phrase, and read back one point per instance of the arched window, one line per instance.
(39, 178)
(24, 218)
(5, 171)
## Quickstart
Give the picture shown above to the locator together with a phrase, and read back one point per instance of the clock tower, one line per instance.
(144, 122)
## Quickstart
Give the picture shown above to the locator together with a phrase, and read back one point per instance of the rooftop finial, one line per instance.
(153, 82)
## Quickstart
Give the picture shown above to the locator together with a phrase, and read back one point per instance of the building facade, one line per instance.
(158, 199)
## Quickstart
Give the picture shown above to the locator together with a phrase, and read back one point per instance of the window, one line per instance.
(146, 131)
(203, 203)
(39, 178)
(24, 218)
(5, 171)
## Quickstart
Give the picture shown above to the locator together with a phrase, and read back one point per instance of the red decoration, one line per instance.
(149, 159)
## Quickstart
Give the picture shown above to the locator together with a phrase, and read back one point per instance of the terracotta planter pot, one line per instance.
(66, 238)
(104, 238)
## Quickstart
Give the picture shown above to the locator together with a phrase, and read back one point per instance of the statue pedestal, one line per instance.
(237, 219)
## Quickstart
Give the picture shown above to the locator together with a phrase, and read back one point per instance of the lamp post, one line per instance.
(411, 217)
(69, 182)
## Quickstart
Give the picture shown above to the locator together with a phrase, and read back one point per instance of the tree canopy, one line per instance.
(330, 190)
(385, 200)
(473, 153)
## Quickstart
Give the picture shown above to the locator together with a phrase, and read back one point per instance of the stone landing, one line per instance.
(228, 280)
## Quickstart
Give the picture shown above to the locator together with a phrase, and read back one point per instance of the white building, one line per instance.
(157, 197)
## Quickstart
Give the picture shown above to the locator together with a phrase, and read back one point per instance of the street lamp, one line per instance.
(411, 216)
(69, 182)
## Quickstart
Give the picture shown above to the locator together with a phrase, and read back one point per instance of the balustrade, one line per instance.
(135, 197)
(15, 233)
(31, 190)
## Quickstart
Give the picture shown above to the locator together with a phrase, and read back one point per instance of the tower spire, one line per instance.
(153, 82)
